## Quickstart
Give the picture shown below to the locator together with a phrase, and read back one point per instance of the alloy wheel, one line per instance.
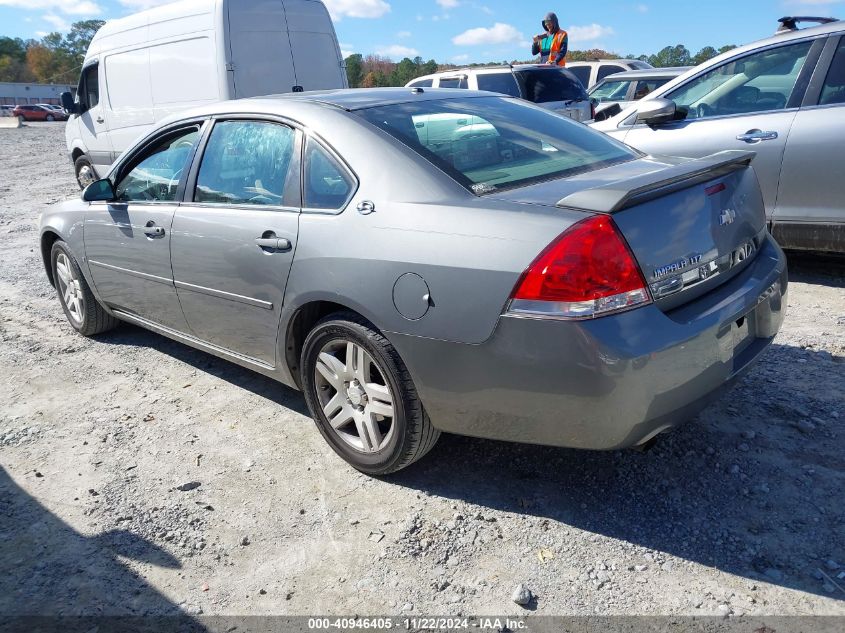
(70, 289)
(355, 396)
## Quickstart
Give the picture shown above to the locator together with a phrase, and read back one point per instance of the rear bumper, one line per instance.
(607, 383)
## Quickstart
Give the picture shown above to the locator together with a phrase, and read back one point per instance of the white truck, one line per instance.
(144, 67)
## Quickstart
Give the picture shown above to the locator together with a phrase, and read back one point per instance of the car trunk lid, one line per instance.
(691, 224)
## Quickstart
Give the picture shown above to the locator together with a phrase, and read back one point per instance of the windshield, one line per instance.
(611, 91)
(492, 143)
(545, 85)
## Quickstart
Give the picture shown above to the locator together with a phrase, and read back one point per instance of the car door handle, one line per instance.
(273, 243)
(755, 136)
(152, 230)
(100, 119)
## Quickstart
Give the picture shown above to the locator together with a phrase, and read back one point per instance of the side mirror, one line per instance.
(99, 191)
(656, 111)
(68, 103)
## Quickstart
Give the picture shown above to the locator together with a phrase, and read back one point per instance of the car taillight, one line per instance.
(586, 272)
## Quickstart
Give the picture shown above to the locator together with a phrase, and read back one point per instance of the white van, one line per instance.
(144, 67)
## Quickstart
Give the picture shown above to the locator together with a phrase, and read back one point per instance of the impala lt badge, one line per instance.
(727, 217)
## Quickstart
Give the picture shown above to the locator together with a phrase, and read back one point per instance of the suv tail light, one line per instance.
(586, 272)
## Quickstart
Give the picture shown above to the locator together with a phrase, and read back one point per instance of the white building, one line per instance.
(22, 94)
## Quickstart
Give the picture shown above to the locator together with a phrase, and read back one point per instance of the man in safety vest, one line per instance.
(559, 41)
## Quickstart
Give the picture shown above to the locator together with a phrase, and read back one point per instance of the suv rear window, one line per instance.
(492, 143)
(582, 73)
(545, 85)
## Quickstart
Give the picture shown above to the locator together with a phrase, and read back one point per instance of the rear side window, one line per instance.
(327, 184)
(491, 143)
(503, 83)
(608, 69)
(582, 73)
(248, 162)
(647, 86)
(453, 82)
(548, 85)
(421, 83)
(834, 85)
(91, 86)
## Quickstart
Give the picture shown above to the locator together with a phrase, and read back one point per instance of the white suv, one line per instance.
(592, 72)
(550, 87)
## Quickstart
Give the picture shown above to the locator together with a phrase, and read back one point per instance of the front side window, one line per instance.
(90, 85)
(155, 175)
(421, 83)
(248, 162)
(503, 83)
(833, 90)
(491, 143)
(611, 91)
(761, 82)
(327, 184)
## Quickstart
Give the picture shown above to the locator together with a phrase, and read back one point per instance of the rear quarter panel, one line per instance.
(469, 250)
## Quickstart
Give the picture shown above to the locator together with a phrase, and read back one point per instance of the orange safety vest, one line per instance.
(559, 40)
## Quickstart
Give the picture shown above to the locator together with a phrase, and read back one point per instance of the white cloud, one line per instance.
(589, 33)
(641, 8)
(58, 22)
(499, 33)
(448, 4)
(346, 50)
(460, 58)
(395, 50)
(401, 35)
(357, 8)
(85, 7)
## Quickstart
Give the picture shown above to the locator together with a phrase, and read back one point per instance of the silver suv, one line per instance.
(550, 87)
(782, 97)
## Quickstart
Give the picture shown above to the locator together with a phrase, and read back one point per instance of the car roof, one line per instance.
(604, 61)
(649, 73)
(346, 99)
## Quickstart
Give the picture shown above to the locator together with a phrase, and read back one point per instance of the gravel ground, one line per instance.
(140, 476)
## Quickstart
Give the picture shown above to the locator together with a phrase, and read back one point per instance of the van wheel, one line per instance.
(84, 171)
(362, 397)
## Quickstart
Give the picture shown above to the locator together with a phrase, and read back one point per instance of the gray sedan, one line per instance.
(419, 261)
(783, 98)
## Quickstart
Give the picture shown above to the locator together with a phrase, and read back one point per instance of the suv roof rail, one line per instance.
(790, 22)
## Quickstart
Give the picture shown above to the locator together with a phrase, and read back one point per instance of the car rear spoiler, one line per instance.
(622, 194)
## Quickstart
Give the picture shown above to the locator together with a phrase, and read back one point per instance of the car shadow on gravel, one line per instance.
(254, 382)
(753, 486)
(811, 268)
(52, 574)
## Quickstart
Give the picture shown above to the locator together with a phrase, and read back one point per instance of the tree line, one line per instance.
(373, 71)
(57, 58)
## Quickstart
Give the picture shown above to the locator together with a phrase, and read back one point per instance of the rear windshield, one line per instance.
(493, 143)
(545, 85)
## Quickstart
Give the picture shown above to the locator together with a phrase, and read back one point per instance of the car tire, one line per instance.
(373, 443)
(84, 170)
(80, 306)
(50, 117)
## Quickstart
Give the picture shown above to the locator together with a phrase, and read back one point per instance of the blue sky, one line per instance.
(485, 30)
